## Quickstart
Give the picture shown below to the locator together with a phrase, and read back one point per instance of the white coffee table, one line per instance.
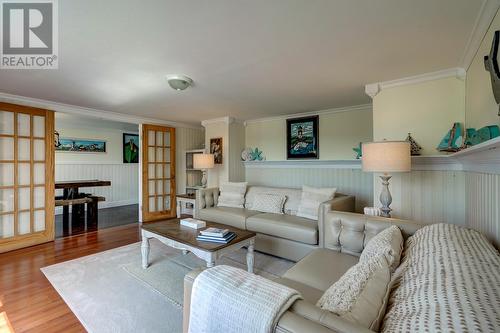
(173, 234)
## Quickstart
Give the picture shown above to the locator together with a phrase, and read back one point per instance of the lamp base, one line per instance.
(204, 178)
(385, 197)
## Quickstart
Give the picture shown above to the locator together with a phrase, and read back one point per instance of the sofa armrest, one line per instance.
(188, 286)
(318, 320)
(206, 197)
(342, 203)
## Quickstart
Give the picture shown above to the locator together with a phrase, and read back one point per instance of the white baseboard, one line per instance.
(105, 204)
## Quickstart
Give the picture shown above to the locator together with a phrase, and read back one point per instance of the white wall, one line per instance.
(348, 181)
(339, 132)
(481, 107)
(185, 139)
(482, 190)
(236, 146)
(124, 177)
(112, 136)
(427, 110)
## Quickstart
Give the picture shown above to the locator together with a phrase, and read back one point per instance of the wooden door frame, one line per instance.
(47, 235)
(146, 215)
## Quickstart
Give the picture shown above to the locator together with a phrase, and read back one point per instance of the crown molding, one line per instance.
(227, 120)
(363, 107)
(374, 88)
(88, 112)
(484, 18)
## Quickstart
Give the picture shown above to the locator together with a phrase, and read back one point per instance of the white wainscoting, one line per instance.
(347, 181)
(124, 181)
(427, 196)
(483, 204)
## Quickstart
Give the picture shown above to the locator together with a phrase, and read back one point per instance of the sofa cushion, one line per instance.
(328, 266)
(292, 197)
(388, 243)
(361, 293)
(234, 217)
(308, 293)
(285, 226)
(269, 203)
(311, 198)
(232, 195)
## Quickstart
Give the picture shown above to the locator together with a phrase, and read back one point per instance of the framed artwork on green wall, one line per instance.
(302, 139)
(130, 148)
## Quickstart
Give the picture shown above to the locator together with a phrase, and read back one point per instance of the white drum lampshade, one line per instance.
(386, 157)
(203, 162)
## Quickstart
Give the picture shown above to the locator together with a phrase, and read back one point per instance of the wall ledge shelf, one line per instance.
(483, 158)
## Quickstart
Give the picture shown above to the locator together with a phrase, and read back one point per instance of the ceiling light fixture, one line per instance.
(179, 82)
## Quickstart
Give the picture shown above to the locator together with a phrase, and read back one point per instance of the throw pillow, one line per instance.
(232, 195)
(360, 294)
(269, 203)
(311, 199)
(387, 243)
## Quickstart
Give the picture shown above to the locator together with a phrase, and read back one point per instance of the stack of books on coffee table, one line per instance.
(216, 235)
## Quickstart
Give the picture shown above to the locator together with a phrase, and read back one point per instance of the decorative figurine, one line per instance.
(453, 140)
(481, 135)
(257, 155)
(357, 150)
(249, 154)
(414, 146)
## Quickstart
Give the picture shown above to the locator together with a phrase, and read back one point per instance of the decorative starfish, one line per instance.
(256, 155)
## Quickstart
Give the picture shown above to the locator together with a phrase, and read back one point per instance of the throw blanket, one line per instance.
(227, 299)
(449, 281)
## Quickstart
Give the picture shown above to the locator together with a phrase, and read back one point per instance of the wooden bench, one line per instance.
(70, 202)
(78, 205)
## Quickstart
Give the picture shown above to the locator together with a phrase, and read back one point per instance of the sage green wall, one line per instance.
(339, 132)
(427, 110)
(481, 107)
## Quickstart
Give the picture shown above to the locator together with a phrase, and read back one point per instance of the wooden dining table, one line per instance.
(72, 196)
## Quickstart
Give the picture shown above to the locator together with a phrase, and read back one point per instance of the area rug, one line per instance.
(110, 292)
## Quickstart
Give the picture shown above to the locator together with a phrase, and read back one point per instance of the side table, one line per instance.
(185, 204)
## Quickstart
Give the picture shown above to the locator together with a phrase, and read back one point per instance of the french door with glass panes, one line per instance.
(158, 173)
(26, 176)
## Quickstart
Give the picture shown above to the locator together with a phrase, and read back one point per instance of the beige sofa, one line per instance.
(284, 235)
(345, 236)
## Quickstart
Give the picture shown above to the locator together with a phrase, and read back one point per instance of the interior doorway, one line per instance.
(96, 174)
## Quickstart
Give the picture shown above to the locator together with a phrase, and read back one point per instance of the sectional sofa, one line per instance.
(284, 235)
(447, 280)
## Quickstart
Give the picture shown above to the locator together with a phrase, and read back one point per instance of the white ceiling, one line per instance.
(65, 120)
(248, 59)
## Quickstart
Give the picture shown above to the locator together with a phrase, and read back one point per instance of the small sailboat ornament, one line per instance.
(414, 146)
(453, 140)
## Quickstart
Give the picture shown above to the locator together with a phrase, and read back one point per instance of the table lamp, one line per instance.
(203, 162)
(386, 157)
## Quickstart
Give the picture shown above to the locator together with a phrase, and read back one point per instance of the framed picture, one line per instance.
(81, 145)
(302, 139)
(130, 148)
(216, 149)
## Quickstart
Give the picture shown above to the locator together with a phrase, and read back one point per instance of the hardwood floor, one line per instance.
(28, 303)
(108, 217)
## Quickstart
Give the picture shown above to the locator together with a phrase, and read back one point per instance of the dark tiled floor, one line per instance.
(108, 217)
